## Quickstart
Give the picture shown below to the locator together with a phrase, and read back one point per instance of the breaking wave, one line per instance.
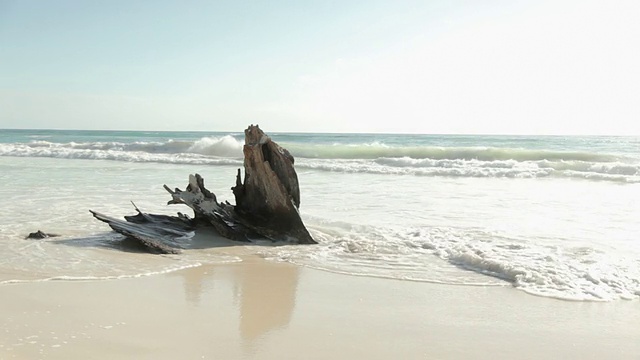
(225, 150)
(616, 172)
(374, 158)
(379, 150)
(226, 146)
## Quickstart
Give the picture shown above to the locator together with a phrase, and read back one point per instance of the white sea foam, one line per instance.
(226, 146)
(471, 257)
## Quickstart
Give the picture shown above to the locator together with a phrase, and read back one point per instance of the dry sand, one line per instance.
(264, 310)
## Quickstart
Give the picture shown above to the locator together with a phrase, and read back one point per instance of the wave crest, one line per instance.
(226, 146)
(380, 150)
(374, 158)
(616, 172)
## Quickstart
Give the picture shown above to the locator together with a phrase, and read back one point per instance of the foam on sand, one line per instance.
(470, 257)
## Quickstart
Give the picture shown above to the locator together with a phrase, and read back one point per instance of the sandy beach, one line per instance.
(257, 309)
(332, 180)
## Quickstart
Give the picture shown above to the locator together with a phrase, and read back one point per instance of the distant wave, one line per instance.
(617, 172)
(374, 158)
(206, 151)
(226, 146)
(380, 150)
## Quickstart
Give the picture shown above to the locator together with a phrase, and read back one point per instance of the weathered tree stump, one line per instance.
(269, 198)
(266, 206)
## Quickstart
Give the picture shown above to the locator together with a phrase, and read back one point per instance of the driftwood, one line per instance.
(158, 233)
(40, 235)
(267, 203)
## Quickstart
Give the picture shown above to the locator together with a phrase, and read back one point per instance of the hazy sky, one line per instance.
(518, 67)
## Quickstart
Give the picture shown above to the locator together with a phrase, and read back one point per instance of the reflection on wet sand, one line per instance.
(194, 282)
(264, 294)
(267, 298)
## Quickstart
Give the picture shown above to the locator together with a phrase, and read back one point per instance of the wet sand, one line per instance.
(264, 310)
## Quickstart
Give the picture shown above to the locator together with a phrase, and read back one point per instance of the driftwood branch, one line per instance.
(267, 203)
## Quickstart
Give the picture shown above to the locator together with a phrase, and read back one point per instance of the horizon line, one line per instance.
(329, 132)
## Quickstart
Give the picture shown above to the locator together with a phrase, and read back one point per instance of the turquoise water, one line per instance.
(550, 215)
(596, 158)
(597, 144)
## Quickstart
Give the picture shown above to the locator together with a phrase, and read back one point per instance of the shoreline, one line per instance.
(267, 310)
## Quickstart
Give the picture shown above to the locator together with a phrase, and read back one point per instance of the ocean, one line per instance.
(553, 216)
